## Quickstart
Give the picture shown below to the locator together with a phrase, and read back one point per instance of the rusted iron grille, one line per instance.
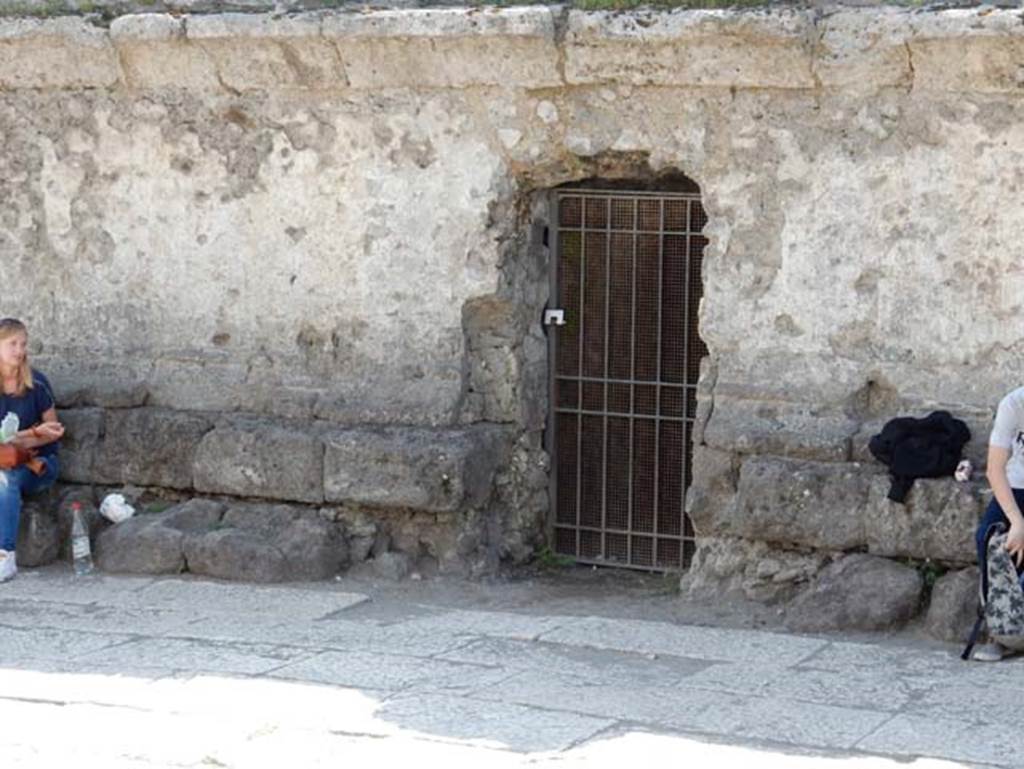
(626, 364)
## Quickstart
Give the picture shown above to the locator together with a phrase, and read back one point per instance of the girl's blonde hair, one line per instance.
(8, 328)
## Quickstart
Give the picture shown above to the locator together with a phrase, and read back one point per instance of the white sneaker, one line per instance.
(8, 565)
(990, 652)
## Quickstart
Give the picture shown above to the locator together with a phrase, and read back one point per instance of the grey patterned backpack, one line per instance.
(1002, 597)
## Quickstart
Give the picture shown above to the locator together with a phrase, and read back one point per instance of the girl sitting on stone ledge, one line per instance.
(26, 393)
(1006, 476)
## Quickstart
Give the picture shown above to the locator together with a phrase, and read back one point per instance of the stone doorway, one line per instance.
(625, 352)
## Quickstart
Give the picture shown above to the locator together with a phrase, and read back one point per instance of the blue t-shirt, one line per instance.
(30, 407)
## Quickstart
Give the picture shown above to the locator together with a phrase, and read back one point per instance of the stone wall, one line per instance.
(247, 236)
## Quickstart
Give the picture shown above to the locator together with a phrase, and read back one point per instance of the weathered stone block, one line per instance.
(392, 566)
(254, 542)
(268, 543)
(713, 486)
(757, 570)
(55, 53)
(418, 468)
(782, 429)
(427, 48)
(787, 501)
(864, 52)
(39, 532)
(857, 592)
(153, 544)
(937, 521)
(260, 459)
(690, 48)
(141, 545)
(80, 444)
(954, 605)
(150, 447)
(253, 51)
(234, 554)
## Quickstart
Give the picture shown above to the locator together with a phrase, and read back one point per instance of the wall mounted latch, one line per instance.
(554, 317)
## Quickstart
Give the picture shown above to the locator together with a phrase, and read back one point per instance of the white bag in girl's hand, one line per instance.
(9, 427)
(114, 508)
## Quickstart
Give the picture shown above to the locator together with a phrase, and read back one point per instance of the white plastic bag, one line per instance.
(9, 427)
(114, 508)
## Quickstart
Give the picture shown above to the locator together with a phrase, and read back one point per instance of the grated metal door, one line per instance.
(626, 360)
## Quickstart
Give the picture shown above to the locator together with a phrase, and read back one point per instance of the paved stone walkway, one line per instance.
(129, 672)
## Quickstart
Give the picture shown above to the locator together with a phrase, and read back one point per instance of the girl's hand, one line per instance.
(48, 431)
(1015, 543)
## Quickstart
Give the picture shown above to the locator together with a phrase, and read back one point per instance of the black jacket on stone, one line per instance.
(919, 448)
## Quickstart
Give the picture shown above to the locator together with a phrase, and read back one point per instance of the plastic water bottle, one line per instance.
(81, 552)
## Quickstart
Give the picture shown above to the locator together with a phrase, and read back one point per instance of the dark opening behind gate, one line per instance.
(627, 274)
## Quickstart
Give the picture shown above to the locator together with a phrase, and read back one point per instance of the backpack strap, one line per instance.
(972, 639)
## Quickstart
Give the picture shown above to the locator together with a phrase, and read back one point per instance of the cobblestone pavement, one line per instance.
(136, 672)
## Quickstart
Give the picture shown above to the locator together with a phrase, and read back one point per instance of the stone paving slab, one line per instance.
(24, 644)
(974, 741)
(337, 634)
(868, 689)
(491, 724)
(212, 657)
(222, 598)
(646, 637)
(58, 587)
(593, 665)
(709, 712)
(94, 617)
(490, 623)
(627, 747)
(366, 670)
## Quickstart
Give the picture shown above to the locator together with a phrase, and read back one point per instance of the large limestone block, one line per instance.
(775, 427)
(149, 447)
(857, 592)
(797, 502)
(256, 51)
(937, 522)
(154, 54)
(861, 52)
(261, 459)
(954, 605)
(985, 43)
(61, 53)
(418, 468)
(447, 47)
(80, 444)
(728, 49)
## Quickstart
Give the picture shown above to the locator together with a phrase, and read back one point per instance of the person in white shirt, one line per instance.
(1005, 474)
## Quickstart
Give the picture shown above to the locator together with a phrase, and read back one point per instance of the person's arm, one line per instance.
(46, 432)
(996, 474)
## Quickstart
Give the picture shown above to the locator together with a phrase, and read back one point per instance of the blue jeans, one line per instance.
(994, 514)
(15, 483)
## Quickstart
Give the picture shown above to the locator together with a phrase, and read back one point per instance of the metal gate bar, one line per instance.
(613, 503)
